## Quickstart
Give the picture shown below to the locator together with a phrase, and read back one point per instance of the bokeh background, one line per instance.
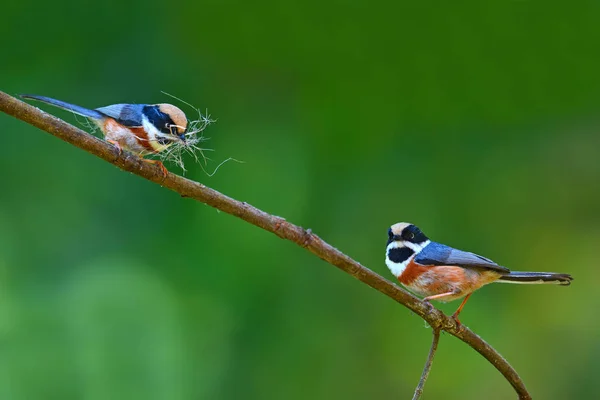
(477, 121)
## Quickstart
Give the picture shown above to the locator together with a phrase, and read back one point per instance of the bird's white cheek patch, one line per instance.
(153, 135)
(396, 268)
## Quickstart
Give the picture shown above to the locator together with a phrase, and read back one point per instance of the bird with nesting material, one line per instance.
(138, 128)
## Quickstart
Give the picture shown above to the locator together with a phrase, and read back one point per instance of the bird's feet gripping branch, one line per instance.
(442, 273)
(441, 296)
(162, 167)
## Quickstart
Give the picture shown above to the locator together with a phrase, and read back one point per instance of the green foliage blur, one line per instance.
(476, 121)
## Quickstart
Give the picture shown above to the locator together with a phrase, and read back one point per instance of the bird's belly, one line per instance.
(125, 137)
(432, 280)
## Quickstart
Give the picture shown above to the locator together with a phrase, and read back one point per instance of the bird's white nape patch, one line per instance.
(417, 247)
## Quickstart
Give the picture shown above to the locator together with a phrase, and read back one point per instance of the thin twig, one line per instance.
(427, 367)
(277, 225)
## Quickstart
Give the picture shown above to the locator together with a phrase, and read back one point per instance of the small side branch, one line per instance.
(271, 223)
(427, 368)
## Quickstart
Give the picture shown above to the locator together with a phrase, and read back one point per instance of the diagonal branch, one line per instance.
(277, 225)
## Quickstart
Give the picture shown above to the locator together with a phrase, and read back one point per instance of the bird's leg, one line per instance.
(117, 145)
(162, 167)
(436, 297)
(440, 296)
(455, 315)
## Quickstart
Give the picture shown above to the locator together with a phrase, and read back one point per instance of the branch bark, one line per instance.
(427, 367)
(274, 224)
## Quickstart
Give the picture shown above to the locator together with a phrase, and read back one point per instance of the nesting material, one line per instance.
(193, 137)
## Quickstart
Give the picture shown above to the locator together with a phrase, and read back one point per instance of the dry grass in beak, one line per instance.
(175, 152)
(193, 137)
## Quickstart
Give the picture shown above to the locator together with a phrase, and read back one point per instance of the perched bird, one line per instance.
(139, 128)
(442, 273)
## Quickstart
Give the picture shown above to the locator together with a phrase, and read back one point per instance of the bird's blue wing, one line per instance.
(125, 114)
(439, 254)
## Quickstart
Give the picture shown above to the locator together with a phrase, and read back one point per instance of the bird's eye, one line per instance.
(410, 236)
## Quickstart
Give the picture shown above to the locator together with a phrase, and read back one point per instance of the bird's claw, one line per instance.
(117, 146)
(428, 304)
(162, 167)
(455, 318)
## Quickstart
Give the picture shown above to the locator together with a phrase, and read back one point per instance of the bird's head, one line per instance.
(404, 241)
(165, 125)
(407, 235)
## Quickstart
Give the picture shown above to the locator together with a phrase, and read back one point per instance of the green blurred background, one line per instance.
(476, 121)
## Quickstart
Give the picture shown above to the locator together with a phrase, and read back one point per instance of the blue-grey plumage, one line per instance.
(443, 273)
(536, 277)
(85, 112)
(440, 254)
(127, 114)
(139, 128)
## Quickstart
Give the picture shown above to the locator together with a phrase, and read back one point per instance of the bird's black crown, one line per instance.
(413, 234)
(410, 233)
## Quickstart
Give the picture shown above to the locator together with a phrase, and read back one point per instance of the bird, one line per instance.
(141, 129)
(442, 273)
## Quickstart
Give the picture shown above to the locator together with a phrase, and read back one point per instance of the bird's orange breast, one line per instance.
(412, 272)
(134, 139)
(430, 280)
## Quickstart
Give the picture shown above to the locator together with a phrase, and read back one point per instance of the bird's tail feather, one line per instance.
(536, 277)
(66, 106)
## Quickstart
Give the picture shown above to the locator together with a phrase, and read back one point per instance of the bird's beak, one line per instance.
(182, 137)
